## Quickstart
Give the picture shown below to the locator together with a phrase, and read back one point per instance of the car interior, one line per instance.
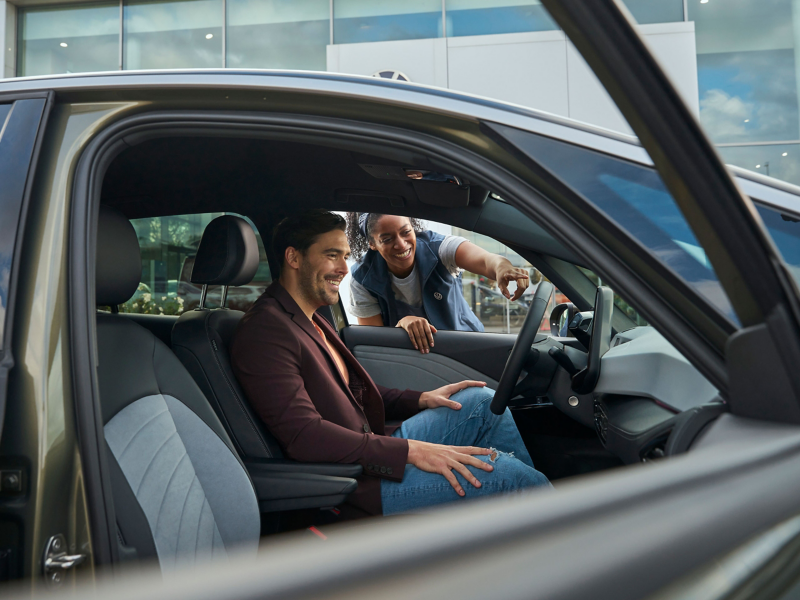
(193, 469)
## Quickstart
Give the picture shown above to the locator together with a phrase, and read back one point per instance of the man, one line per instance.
(322, 406)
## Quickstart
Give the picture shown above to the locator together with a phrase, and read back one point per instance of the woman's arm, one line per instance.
(419, 331)
(477, 260)
(375, 320)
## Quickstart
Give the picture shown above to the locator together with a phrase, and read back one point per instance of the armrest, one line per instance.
(284, 465)
(277, 491)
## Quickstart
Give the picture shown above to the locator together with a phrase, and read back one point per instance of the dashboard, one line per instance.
(645, 400)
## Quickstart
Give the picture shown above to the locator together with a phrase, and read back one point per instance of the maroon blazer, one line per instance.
(292, 381)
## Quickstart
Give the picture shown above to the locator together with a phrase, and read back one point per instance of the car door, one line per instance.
(41, 510)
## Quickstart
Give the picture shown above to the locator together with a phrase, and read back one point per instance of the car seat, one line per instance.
(180, 491)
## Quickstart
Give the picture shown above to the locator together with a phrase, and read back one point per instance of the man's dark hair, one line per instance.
(302, 230)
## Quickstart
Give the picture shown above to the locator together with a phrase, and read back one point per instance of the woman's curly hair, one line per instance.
(358, 243)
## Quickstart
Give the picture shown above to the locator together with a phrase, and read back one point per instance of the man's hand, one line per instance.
(441, 396)
(419, 331)
(436, 458)
(506, 273)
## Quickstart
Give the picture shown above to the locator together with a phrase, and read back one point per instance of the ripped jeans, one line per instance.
(473, 425)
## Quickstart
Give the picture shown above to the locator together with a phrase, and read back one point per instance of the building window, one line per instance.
(747, 80)
(74, 39)
(482, 17)
(781, 161)
(655, 11)
(173, 35)
(278, 34)
(384, 20)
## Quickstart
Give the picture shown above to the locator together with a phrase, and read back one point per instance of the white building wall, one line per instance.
(540, 70)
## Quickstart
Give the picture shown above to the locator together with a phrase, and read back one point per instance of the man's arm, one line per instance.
(374, 320)
(399, 405)
(265, 359)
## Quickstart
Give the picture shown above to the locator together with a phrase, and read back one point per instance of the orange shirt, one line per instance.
(337, 358)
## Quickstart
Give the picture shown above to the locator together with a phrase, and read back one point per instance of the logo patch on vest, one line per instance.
(437, 295)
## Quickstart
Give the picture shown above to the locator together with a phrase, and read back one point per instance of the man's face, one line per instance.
(322, 268)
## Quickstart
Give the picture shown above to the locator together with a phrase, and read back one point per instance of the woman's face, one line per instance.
(394, 238)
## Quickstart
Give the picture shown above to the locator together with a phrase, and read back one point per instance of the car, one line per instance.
(674, 445)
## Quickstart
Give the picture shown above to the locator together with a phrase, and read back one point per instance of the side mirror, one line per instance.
(560, 319)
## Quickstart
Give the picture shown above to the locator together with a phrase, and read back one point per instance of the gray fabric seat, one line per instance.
(181, 493)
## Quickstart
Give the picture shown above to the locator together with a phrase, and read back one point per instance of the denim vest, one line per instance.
(444, 304)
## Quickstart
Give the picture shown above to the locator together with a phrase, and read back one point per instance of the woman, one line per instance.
(411, 278)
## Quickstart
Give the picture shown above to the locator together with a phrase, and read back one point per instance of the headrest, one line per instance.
(118, 266)
(228, 253)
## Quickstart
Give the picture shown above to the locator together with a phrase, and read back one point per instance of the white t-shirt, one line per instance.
(407, 290)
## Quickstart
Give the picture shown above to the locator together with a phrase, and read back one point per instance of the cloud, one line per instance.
(723, 115)
(757, 85)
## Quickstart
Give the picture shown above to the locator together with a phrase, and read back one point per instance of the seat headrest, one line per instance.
(228, 253)
(118, 263)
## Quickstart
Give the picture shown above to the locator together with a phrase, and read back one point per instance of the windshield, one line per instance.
(634, 196)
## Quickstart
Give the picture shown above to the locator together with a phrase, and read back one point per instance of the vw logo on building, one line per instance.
(396, 75)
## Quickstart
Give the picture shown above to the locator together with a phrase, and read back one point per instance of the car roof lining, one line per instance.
(254, 176)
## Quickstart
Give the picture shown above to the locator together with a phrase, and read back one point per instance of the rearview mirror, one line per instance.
(560, 318)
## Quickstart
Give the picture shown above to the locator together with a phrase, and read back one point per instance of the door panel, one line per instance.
(456, 355)
(402, 368)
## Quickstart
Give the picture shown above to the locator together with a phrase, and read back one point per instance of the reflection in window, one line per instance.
(481, 17)
(746, 70)
(781, 161)
(176, 34)
(168, 246)
(785, 232)
(383, 20)
(278, 34)
(74, 39)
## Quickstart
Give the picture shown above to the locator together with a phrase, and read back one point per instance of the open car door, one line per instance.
(727, 506)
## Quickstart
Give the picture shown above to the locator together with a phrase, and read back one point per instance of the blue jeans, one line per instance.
(473, 425)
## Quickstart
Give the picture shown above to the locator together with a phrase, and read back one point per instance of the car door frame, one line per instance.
(23, 504)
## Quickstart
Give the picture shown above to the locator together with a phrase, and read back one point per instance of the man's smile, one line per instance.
(334, 282)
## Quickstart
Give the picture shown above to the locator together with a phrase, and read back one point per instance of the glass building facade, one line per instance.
(262, 34)
(746, 49)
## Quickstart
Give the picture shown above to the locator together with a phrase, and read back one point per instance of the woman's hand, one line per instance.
(436, 458)
(419, 331)
(441, 396)
(506, 273)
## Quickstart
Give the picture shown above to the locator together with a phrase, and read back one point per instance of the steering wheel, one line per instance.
(522, 347)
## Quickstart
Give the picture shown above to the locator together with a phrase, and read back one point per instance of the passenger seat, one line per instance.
(180, 491)
(227, 256)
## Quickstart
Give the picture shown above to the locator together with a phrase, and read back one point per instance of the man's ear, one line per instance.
(292, 257)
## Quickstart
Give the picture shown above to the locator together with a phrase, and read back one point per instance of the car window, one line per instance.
(619, 302)
(494, 311)
(168, 246)
(19, 124)
(634, 196)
